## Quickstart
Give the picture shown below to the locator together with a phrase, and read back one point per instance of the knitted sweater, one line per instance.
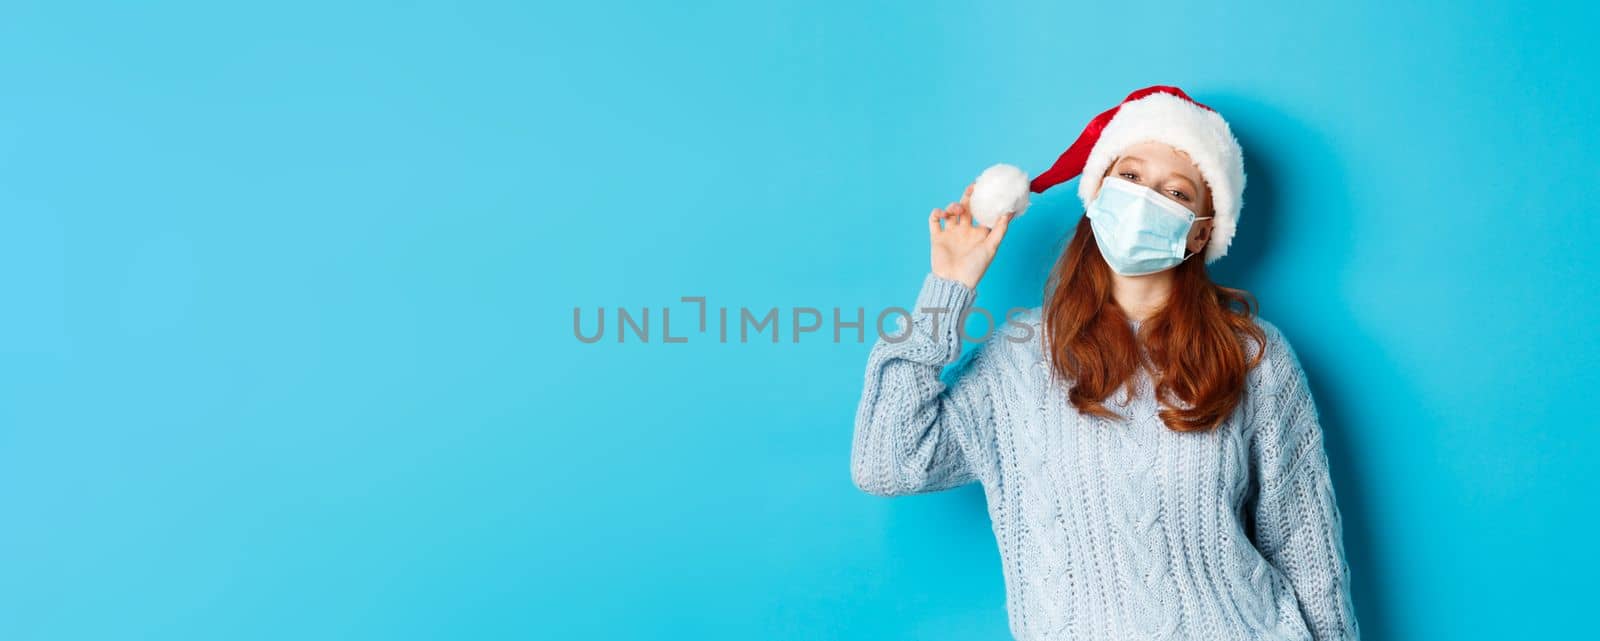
(1114, 529)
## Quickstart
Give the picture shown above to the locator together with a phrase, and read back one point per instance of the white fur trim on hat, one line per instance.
(1195, 130)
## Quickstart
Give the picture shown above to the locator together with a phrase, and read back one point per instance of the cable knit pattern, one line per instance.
(1113, 529)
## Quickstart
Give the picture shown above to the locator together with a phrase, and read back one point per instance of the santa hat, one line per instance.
(1162, 114)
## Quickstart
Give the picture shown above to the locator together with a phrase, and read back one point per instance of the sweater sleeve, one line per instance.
(914, 433)
(1298, 527)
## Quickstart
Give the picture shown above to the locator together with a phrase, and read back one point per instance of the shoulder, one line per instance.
(1010, 339)
(1279, 371)
(1019, 333)
(1276, 346)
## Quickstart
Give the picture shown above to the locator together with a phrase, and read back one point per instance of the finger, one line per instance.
(959, 209)
(998, 232)
(933, 221)
(966, 196)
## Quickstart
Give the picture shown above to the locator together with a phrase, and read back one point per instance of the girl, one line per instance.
(1148, 445)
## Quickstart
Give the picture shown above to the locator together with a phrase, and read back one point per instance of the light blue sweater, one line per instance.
(1115, 530)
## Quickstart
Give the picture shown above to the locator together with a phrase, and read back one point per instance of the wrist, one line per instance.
(968, 281)
(958, 286)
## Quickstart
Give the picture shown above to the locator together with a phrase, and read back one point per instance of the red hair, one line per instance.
(1193, 346)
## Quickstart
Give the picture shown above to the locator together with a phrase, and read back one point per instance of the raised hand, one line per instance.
(962, 251)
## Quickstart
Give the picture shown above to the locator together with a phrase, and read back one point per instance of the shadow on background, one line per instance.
(1283, 154)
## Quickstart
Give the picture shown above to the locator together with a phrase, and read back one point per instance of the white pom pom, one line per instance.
(1000, 189)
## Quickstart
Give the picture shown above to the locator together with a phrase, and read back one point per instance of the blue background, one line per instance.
(287, 348)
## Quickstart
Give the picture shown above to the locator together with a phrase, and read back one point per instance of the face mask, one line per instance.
(1138, 230)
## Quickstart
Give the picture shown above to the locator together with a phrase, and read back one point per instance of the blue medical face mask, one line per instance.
(1138, 230)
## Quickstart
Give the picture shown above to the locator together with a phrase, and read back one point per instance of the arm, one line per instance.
(914, 433)
(1298, 527)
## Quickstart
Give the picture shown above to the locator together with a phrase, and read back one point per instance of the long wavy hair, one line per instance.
(1193, 347)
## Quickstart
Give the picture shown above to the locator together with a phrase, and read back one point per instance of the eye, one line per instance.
(1179, 195)
(1130, 176)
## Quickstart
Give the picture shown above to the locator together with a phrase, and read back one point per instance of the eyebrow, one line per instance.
(1185, 179)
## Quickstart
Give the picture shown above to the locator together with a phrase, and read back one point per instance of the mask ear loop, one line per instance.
(1186, 257)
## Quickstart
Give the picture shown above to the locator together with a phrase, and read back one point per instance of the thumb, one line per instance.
(998, 232)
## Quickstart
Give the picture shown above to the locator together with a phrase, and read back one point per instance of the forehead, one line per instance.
(1163, 160)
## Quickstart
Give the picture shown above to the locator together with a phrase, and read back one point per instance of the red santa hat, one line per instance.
(1168, 115)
